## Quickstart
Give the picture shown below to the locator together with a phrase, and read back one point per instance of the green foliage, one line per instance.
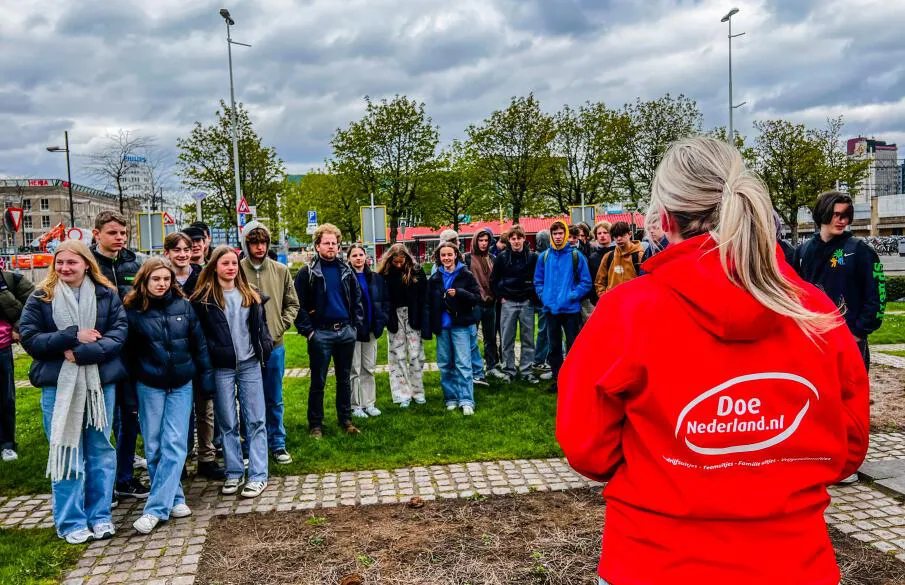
(389, 153)
(512, 148)
(895, 290)
(35, 556)
(455, 189)
(336, 200)
(206, 164)
(797, 164)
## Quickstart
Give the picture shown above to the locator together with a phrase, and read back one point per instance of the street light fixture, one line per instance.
(732, 106)
(235, 123)
(68, 175)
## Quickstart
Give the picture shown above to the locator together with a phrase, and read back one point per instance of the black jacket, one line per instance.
(415, 298)
(311, 289)
(14, 292)
(512, 277)
(380, 306)
(121, 272)
(166, 347)
(189, 287)
(219, 339)
(788, 251)
(595, 259)
(46, 344)
(460, 307)
(850, 273)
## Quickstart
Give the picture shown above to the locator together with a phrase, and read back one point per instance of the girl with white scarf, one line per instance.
(74, 327)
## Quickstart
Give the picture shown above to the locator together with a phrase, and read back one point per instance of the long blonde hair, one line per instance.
(209, 285)
(703, 185)
(49, 283)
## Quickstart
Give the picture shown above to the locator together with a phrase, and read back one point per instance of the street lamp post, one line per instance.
(235, 123)
(732, 106)
(68, 175)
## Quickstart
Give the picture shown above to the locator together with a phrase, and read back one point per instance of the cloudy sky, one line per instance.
(156, 67)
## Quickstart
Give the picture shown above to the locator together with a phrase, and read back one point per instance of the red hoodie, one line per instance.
(718, 424)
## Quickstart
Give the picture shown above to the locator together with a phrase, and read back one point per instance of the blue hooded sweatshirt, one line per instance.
(448, 279)
(555, 279)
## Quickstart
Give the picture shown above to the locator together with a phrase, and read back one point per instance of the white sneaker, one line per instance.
(405, 404)
(479, 382)
(180, 511)
(79, 536)
(359, 413)
(853, 478)
(420, 400)
(468, 410)
(253, 489)
(146, 524)
(140, 462)
(546, 376)
(497, 373)
(9, 455)
(452, 406)
(231, 486)
(104, 530)
(372, 411)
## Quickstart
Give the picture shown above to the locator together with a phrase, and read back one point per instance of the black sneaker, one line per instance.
(132, 489)
(115, 501)
(210, 470)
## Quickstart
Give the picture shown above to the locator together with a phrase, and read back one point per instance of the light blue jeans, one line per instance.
(477, 362)
(247, 383)
(542, 344)
(273, 398)
(84, 500)
(454, 362)
(164, 420)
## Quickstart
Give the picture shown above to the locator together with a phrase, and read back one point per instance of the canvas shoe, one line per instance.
(543, 367)
(253, 489)
(372, 411)
(405, 404)
(180, 511)
(497, 373)
(9, 455)
(282, 457)
(420, 400)
(468, 410)
(104, 530)
(80, 536)
(480, 382)
(231, 485)
(146, 524)
(359, 413)
(530, 379)
(132, 489)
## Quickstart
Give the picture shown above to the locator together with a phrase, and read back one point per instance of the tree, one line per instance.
(388, 153)
(205, 162)
(653, 126)
(585, 151)
(798, 164)
(120, 153)
(336, 199)
(512, 148)
(454, 189)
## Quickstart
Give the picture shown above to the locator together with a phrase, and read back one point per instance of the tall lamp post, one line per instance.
(732, 106)
(68, 175)
(232, 100)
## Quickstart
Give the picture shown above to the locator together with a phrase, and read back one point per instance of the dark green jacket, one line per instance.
(14, 291)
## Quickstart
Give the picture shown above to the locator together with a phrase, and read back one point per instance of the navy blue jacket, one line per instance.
(121, 271)
(46, 344)
(512, 277)
(380, 306)
(460, 307)
(311, 288)
(166, 346)
(850, 273)
(220, 346)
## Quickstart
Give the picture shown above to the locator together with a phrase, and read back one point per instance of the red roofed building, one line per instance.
(422, 240)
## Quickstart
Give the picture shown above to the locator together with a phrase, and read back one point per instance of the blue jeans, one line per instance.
(454, 362)
(165, 426)
(477, 362)
(125, 427)
(542, 345)
(84, 500)
(247, 382)
(273, 398)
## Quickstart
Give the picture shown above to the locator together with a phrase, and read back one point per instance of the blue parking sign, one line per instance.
(312, 217)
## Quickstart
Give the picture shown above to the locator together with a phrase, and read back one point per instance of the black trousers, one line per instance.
(340, 345)
(7, 400)
(570, 323)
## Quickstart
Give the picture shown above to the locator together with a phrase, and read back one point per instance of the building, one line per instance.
(45, 203)
(138, 182)
(883, 176)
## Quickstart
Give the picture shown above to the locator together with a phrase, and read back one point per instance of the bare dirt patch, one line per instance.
(887, 399)
(541, 538)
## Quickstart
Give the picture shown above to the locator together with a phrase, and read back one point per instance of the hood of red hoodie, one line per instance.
(692, 270)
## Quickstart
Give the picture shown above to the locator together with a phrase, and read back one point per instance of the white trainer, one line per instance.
(372, 411)
(231, 486)
(359, 413)
(146, 524)
(79, 536)
(468, 410)
(253, 489)
(180, 511)
(9, 455)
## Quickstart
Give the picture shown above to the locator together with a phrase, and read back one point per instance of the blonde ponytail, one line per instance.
(703, 185)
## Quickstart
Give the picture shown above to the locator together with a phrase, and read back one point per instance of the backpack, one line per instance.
(575, 276)
(636, 261)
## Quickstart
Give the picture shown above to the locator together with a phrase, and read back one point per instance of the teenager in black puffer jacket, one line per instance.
(375, 303)
(452, 293)
(165, 350)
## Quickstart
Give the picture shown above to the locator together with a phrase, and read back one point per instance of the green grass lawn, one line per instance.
(892, 331)
(510, 421)
(35, 556)
(297, 350)
(900, 354)
(895, 307)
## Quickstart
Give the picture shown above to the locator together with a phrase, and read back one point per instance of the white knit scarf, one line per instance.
(78, 387)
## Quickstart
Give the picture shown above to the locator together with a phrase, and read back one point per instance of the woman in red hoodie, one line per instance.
(717, 451)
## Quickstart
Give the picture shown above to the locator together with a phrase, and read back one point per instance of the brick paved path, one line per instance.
(171, 554)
